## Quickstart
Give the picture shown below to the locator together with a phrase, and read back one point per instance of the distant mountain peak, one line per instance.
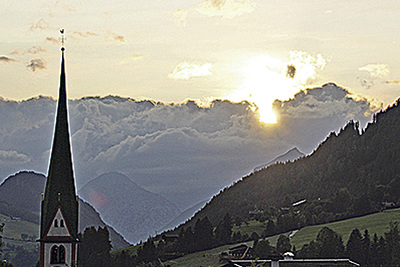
(289, 155)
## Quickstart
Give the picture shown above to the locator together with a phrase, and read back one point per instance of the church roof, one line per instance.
(60, 184)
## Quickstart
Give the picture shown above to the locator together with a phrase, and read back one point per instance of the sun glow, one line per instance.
(267, 78)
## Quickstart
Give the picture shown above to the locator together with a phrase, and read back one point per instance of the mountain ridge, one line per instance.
(289, 155)
(134, 211)
(20, 196)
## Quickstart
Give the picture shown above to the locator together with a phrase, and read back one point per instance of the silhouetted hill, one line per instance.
(132, 210)
(20, 196)
(362, 164)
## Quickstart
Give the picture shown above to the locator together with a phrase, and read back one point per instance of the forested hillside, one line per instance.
(352, 173)
(349, 174)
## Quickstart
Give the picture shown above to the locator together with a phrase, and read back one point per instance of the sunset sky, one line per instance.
(201, 49)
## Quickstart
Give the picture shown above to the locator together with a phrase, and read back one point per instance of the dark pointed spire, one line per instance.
(60, 184)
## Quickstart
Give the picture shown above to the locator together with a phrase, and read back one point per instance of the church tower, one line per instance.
(59, 210)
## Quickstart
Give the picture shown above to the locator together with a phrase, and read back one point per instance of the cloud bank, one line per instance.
(184, 152)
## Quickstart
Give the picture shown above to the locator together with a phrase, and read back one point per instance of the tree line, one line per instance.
(361, 248)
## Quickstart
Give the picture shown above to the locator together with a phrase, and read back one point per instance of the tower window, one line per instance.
(55, 223)
(54, 254)
(57, 254)
(61, 223)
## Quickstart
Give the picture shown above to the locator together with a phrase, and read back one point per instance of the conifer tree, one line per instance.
(329, 244)
(283, 244)
(366, 247)
(148, 252)
(94, 249)
(263, 249)
(392, 239)
(354, 248)
(223, 232)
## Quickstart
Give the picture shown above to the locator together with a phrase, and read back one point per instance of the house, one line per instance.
(294, 263)
(241, 252)
(387, 205)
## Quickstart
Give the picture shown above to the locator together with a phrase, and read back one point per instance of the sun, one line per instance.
(267, 78)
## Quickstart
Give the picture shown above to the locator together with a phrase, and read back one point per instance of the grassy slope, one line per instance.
(12, 233)
(375, 223)
(14, 229)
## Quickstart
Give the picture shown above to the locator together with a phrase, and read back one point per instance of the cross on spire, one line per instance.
(62, 39)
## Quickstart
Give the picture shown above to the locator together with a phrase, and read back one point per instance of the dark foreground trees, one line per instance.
(3, 263)
(94, 248)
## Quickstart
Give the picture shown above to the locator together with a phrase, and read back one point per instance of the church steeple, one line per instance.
(60, 203)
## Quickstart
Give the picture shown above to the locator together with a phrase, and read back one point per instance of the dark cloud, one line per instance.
(290, 71)
(118, 37)
(367, 83)
(85, 34)
(52, 40)
(34, 50)
(5, 59)
(37, 64)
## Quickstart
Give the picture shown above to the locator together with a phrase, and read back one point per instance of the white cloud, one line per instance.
(134, 57)
(12, 157)
(307, 65)
(380, 71)
(180, 16)
(227, 9)
(186, 70)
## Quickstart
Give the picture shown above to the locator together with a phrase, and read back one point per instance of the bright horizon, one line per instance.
(201, 49)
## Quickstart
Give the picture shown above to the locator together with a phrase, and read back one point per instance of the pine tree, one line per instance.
(366, 247)
(95, 247)
(393, 243)
(283, 244)
(329, 244)
(354, 248)
(262, 249)
(148, 252)
(223, 232)
(203, 234)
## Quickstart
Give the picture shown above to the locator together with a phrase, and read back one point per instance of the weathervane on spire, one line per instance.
(62, 40)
